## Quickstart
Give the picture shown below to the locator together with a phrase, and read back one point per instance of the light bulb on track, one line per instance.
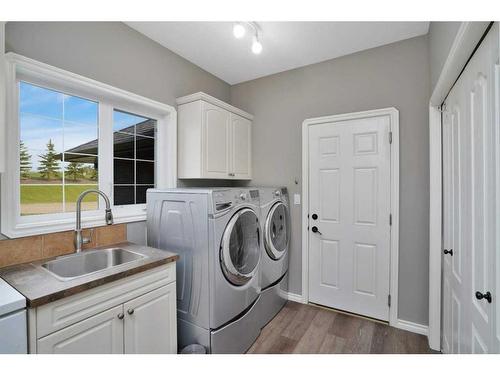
(256, 46)
(239, 30)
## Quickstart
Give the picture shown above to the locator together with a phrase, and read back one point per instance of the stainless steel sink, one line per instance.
(88, 262)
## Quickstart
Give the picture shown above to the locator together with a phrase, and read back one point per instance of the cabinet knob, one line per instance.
(448, 252)
(486, 296)
(121, 316)
(130, 311)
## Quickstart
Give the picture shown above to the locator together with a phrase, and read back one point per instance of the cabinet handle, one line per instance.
(448, 252)
(121, 316)
(231, 174)
(130, 311)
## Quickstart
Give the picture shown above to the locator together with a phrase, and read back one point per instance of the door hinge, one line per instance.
(389, 300)
(390, 219)
(390, 137)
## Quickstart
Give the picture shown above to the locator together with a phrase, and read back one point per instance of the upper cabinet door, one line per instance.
(215, 144)
(241, 147)
(151, 323)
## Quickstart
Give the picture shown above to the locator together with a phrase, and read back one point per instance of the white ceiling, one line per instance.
(287, 45)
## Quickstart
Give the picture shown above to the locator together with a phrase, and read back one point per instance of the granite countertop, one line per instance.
(40, 287)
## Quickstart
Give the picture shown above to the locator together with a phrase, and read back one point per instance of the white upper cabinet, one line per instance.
(214, 139)
(215, 147)
(241, 147)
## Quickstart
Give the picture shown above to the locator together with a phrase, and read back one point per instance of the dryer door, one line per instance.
(277, 231)
(240, 251)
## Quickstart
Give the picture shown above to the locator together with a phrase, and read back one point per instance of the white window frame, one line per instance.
(20, 68)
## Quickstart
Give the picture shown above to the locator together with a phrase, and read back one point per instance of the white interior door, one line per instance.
(469, 220)
(349, 208)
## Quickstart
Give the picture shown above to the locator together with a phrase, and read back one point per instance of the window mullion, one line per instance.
(106, 150)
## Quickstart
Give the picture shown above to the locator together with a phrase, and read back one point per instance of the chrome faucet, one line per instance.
(108, 216)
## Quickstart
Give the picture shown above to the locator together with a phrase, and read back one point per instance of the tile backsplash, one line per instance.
(29, 249)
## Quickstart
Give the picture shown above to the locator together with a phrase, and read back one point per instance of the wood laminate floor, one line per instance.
(299, 328)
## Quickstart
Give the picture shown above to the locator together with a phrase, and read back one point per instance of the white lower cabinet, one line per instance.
(142, 321)
(100, 334)
(150, 323)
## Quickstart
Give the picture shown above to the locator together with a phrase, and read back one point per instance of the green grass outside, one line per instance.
(53, 193)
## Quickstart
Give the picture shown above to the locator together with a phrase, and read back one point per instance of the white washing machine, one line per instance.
(275, 224)
(217, 234)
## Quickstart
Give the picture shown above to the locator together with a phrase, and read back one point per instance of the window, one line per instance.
(58, 150)
(133, 157)
(75, 134)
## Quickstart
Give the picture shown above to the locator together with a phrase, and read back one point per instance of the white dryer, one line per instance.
(217, 234)
(275, 224)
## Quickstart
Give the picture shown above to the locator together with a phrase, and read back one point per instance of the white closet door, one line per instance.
(469, 221)
(480, 88)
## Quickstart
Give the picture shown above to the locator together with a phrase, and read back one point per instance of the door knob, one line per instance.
(486, 296)
(448, 252)
(121, 316)
(315, 230)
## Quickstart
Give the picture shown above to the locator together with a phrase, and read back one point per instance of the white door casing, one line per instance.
(350, 186)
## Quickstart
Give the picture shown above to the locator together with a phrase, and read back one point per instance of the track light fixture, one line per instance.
(256, 46)
(240, 29)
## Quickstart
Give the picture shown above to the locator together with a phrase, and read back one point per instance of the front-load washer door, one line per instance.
(277, 231)
(240, 247)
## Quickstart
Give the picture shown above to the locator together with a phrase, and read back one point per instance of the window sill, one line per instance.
(31, 229)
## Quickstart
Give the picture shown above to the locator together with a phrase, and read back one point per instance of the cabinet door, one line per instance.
(215, 141)
(241, 147)
(99, 334)
(151, 323)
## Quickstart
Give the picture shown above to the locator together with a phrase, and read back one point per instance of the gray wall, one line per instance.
(113, 53)
(393, 75)
(441, 37)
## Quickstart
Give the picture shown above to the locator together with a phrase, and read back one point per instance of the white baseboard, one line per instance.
(421, 329)
(295, 297)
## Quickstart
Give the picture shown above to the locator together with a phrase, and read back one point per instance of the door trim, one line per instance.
(465, 41)
(393, 113)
